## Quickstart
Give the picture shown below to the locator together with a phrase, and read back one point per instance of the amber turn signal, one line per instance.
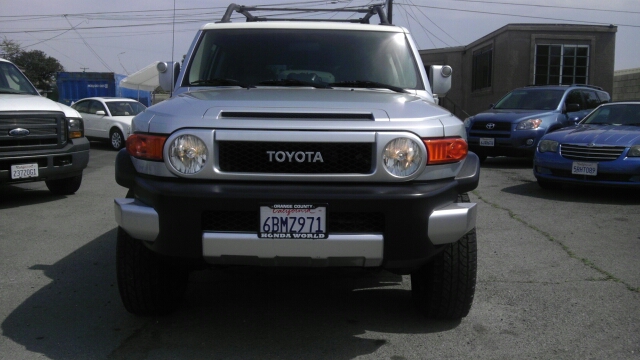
(147, 147)
(447, 150)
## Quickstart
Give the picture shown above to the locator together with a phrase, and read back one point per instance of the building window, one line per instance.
(482, 66)
(558, 64)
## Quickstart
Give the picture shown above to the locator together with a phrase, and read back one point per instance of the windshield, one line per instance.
(619, 114)
(125, 108)
(531, 99)
(319, 58)
(13, 81)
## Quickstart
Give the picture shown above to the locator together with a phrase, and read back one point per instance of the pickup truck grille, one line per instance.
(295, 157)
(591, 153)
(45, 131)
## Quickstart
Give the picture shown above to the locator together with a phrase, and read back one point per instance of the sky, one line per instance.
(124, 36)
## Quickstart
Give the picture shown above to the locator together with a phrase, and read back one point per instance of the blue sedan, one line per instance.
(603, 149)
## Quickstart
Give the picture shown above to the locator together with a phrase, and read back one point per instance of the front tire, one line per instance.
(148, 284)
(116, 139)
(444, 287)
(66, 186)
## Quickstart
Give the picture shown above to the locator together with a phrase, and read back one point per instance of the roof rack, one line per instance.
(245, 10)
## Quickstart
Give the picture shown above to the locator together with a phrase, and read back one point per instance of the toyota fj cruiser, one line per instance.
(298, 144)
(40, 139)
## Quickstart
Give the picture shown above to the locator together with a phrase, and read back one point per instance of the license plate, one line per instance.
(24, 171)
(293, 221)
(584, 168)
(487, 142)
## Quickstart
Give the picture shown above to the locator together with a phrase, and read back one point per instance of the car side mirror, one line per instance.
(168, 74)
(572, 107)
(440, 77)
(100, 112)
(491, 106)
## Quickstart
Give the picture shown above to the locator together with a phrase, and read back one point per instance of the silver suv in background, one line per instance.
(298, 144)
(40, 139)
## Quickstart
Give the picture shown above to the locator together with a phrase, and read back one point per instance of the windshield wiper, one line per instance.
(294, 82)
(368, 84)
(220, 82)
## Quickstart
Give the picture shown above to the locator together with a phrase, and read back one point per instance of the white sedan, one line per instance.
(108, 118)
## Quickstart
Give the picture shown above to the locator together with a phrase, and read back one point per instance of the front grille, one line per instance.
(497, 126)
(249, 221)
(46, 130)
(590, 153)
(295, 158)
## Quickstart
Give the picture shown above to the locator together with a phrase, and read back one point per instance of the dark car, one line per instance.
(604, 149)
(514, 126)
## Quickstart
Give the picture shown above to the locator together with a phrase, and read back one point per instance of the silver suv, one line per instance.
(298, 144)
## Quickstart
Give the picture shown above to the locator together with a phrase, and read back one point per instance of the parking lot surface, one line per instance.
(558, 278)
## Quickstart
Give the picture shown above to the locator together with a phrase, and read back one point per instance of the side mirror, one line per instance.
(440, 76)
(101, 112)
(168, 74)
(572, 107)
(491, 106)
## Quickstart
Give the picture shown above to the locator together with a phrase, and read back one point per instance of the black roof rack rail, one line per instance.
(567, 85)
(245, 10)
(589, 86)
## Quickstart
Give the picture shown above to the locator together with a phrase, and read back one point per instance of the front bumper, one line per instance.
(395, 226)
(516, 143)
(66, 162)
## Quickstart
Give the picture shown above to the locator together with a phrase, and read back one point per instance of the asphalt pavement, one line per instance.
(558, 278)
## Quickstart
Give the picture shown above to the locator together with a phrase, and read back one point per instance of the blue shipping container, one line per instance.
(73, 86)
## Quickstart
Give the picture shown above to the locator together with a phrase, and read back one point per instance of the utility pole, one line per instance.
(84, 69)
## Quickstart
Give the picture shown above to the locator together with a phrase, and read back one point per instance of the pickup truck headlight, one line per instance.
(402, 157)
(530, 124)
(548, 146)
(634, 151)
(187, 154)
(75, 128)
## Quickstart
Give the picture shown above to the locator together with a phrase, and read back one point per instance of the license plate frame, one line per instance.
(24, 171)
(487, 142)
(584, 168)
(293, 221)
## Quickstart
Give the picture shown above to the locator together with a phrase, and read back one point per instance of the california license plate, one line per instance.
(487, 142)
(24, 171)
(584, 168)
(293, 221)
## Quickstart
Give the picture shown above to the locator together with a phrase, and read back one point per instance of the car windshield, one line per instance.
(317, 58)
(618, 114)
(125, 108)
(531, 99)
(12, 81)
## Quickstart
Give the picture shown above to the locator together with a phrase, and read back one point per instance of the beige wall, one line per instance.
(626, 85)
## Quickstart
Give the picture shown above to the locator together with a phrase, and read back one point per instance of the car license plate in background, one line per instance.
(24, 171)
(293, 221)
(584, 168)
(487, 142)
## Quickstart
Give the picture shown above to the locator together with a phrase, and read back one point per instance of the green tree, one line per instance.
(40, 68)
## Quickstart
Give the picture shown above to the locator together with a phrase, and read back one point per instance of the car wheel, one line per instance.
(148, 284)
(117, 139)
(66, 186)
(444, 287)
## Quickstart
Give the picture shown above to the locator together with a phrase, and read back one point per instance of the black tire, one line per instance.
(444, 287)
(66, 186)
(116, 139)
(148, 284)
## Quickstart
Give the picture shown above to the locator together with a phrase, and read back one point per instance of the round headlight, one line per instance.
(187, 154)
(402, 157)
(547, 145)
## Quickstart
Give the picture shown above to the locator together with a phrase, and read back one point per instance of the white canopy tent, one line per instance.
(145, 79)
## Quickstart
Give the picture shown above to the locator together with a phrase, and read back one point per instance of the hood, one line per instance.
(204, 107)
(23, 102)
(512, 116)
(611, 135)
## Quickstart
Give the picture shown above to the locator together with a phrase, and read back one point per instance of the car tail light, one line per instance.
(148, 147)
(447, 150)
